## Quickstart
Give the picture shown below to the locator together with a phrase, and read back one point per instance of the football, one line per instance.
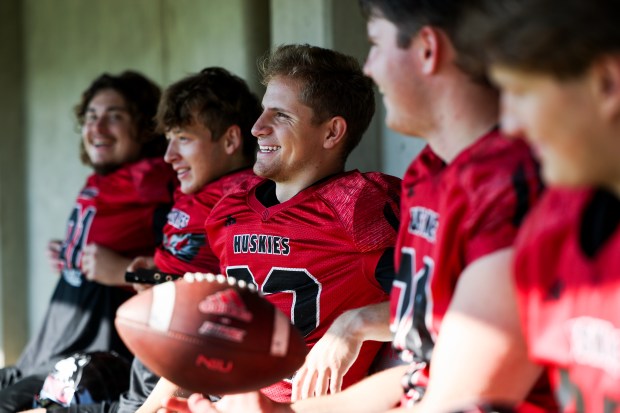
(211, 334)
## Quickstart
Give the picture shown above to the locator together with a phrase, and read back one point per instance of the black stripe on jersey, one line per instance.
(160, 217)
(385, 271)
(600, 220)
(522, 191)
(390, 216)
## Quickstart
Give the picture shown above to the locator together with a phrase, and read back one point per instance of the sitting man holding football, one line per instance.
(315, 240)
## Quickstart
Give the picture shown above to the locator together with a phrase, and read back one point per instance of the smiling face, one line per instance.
(108, 132)
(195, 156)
(561, 121)
(290, 144)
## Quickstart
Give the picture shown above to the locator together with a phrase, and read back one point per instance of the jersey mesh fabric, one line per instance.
(313, 256)
(452, 215)
(570, 300)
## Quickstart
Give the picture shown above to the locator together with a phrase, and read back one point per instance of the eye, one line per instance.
(90, 118)
(280, 115)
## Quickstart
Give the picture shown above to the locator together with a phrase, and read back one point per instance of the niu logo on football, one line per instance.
(214, 364)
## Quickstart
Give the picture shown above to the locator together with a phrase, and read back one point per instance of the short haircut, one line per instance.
(215, 98)
(332, 84)
(141, 96)
(556, 37)
(409, 16)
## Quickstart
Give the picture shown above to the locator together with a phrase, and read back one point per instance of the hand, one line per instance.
(53, 255)
(254, 402)
(141, 262)
(102, 265)
(326, 364)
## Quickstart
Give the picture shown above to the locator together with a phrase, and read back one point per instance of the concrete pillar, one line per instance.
(338, 25)
(13, 275)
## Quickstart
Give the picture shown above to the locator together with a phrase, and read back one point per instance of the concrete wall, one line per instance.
(13, 279)
(52, 49)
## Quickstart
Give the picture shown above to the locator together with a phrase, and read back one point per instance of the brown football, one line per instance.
(211, 335)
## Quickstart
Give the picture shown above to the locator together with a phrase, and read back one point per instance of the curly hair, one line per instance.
(141, 97)
(217, 99)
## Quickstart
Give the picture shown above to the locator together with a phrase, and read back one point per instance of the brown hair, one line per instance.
(217, 99)
(332, 84)
(561, 38)
(141, 97)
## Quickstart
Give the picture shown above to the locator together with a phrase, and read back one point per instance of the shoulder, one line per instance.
(553, 219)
(354, 186)
(367, 205)
(153, 179)
(498, 177)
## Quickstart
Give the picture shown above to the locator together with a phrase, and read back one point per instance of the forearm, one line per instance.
(163, 389)
(371, 322)
(377, 393)
(481, 353)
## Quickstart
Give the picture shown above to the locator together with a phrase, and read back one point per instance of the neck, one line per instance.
(287, 189)
(464, 113)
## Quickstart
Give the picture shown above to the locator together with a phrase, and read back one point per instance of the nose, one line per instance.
(367, 63)
(261, 127)
(171, 152)
(100, 125)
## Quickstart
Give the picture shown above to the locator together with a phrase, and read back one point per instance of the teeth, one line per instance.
(264, 148)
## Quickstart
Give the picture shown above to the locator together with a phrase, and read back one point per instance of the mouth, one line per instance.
(101, 143)
(268, 148)
(181, 172)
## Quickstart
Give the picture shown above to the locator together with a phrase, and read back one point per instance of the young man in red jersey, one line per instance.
(117, 216)
(315, 239)
(207, 118)
(463, 200)
(558, 66)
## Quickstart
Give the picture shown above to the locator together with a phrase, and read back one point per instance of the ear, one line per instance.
(232, 139)
(336, 129)
(606, 75)
(429, 44)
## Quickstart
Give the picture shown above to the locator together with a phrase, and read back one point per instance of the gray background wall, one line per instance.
(52, 49)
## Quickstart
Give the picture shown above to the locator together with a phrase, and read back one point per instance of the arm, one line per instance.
(103, 265)
(163, 389)
(332, 356)
(481, 353)
(376, 393)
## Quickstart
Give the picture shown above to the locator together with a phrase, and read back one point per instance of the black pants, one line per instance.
(17, 392)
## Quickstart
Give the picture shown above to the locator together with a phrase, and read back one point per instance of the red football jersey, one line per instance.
(452, 215)
(117, 211)
(315, 255)
(568, 279)
(185, 248)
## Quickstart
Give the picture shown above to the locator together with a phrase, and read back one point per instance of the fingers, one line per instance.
(174, 404)
(141, 262)
(199, 404)
(335, 382)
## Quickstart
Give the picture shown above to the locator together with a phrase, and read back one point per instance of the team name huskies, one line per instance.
(424, 223)
(261, 244)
